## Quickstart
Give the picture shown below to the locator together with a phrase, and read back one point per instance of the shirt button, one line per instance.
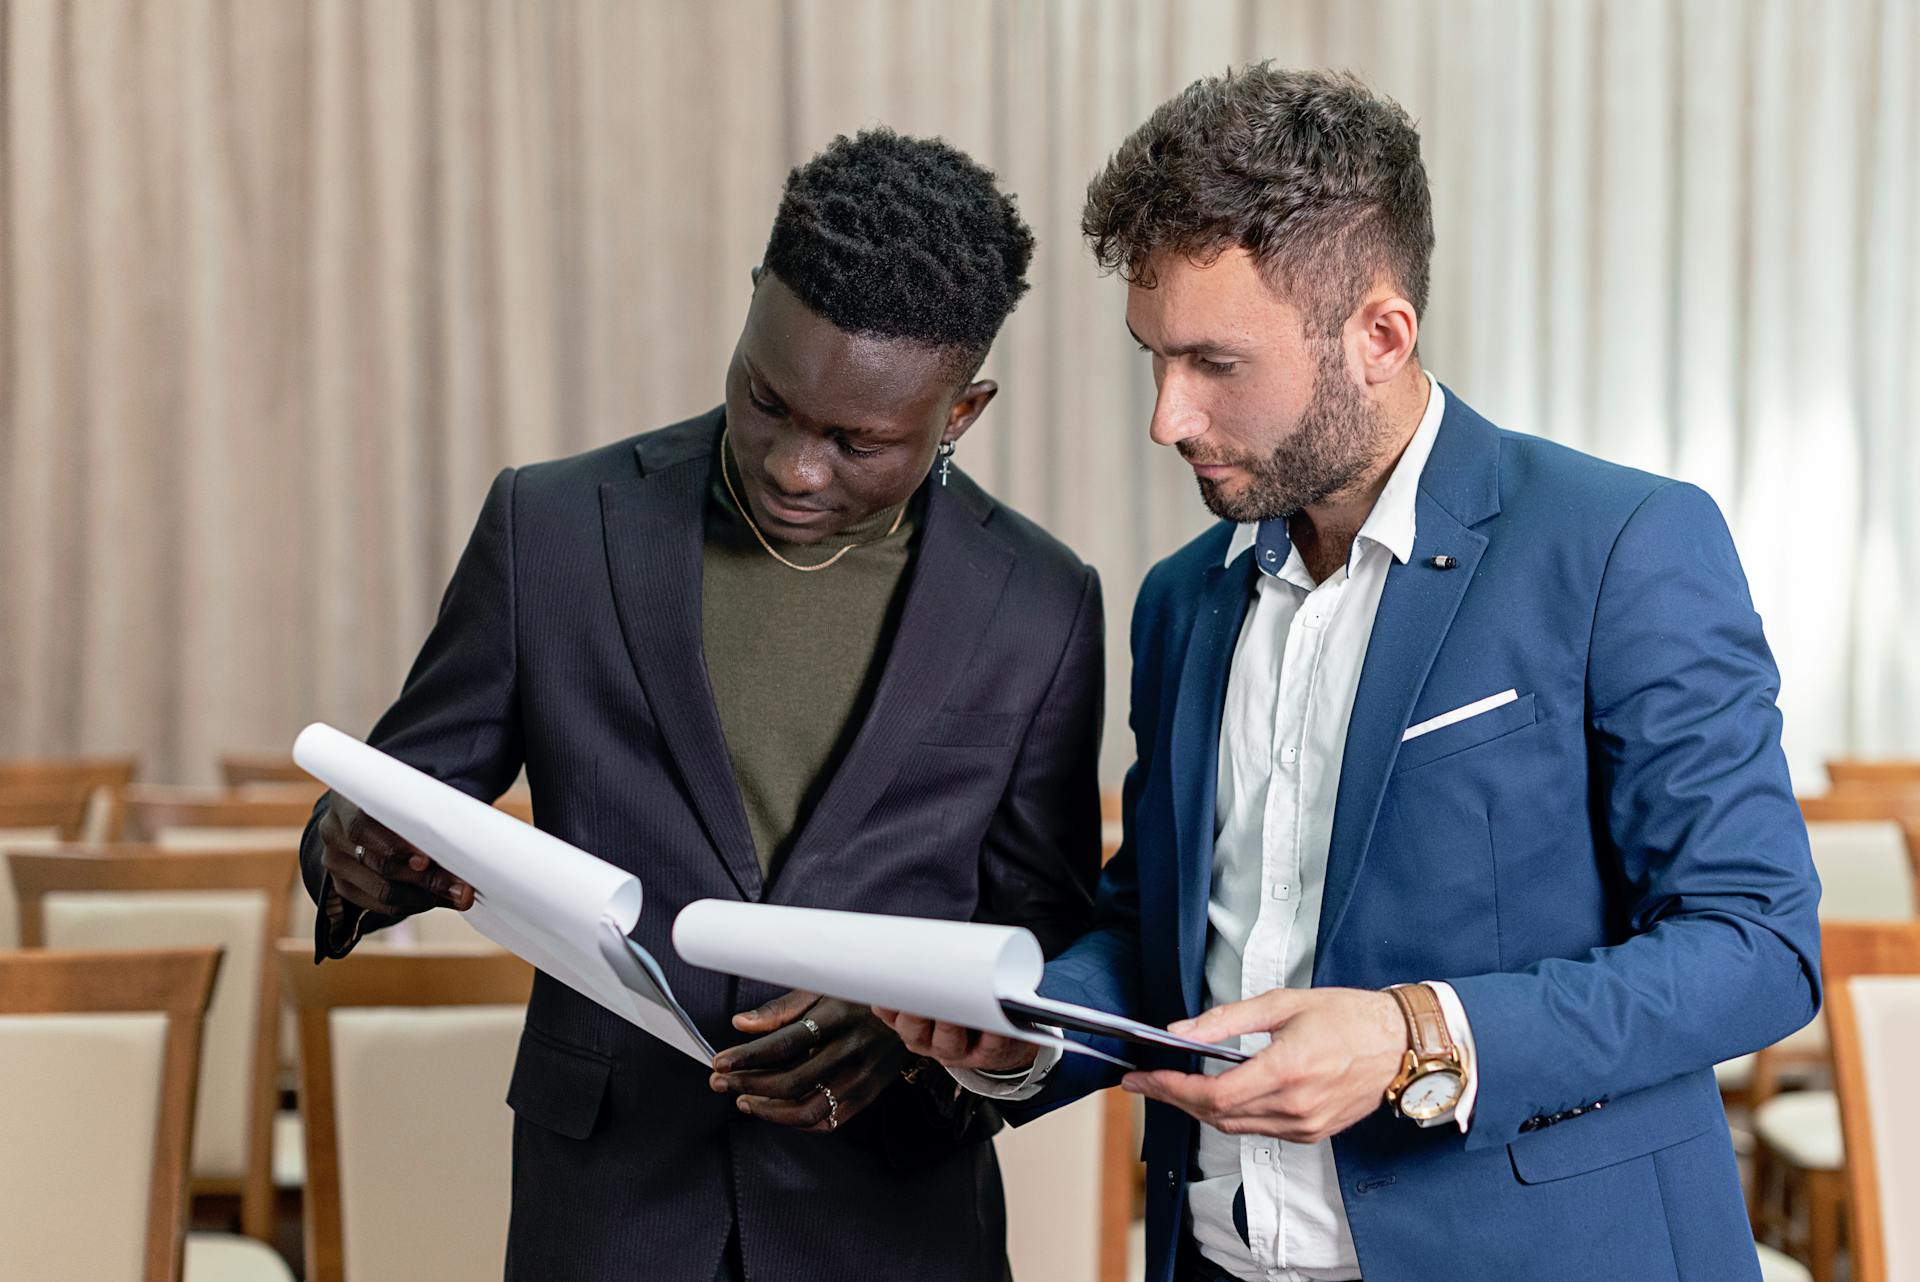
(1272, 556)
(1288, 754)
(1281, 890)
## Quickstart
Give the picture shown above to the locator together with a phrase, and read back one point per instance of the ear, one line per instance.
(754, 273)
(1385, 329)
(967, 407)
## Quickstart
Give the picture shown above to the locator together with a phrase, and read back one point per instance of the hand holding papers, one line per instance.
(966, 973)
(558, 907)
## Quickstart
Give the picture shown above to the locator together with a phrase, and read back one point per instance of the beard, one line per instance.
(1329, 450)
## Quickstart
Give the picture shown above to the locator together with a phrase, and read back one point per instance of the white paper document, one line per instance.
(967, 973)
(536, 896)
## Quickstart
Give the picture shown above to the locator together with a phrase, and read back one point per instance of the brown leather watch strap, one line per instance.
(1426, 1022)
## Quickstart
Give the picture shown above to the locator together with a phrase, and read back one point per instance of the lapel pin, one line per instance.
(1443, 563)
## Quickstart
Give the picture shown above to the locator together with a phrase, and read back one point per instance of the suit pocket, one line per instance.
(1633, 1126)
(972, 729)
(558, 1086)
(1461, 735)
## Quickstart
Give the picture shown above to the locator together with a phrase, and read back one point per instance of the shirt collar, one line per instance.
(1391, 522)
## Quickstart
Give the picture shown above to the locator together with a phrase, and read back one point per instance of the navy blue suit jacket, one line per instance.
(1611, 870)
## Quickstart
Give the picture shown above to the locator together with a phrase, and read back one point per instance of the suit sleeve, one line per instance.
(1690, 787)
(1042, 848)
(457, 717)
(1102, 968)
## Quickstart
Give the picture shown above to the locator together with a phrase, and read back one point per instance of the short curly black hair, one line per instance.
(1311, 172)
(905, 238)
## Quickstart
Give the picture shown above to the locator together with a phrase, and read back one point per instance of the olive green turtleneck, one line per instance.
(795, 658)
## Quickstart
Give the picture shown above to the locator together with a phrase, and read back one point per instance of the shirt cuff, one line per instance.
(1015, 1087)
(1462, 1033)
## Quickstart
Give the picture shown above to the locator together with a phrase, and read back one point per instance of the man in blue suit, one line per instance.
(1458, 795)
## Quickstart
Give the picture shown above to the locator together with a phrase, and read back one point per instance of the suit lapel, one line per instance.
(1458, 489)
(1193, 750)
(655, 526)
(958, 573)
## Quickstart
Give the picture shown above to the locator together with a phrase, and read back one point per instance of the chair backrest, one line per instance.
(67, 772)
(144, 897)
(1873, 1006)
(1858, 805)
(405, 1056)
(205, 817)
(1850, 772)
(240, 768)
(1867, 869)
(98, 1058)
(101, 778)
(45, 810)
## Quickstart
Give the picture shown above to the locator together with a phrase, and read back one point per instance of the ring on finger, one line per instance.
(813, 1028)
(833, 1105)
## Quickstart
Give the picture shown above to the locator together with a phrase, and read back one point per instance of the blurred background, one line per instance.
(283, 283)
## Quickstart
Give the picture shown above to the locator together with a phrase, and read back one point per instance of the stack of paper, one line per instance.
(966, 973)
(555, 905)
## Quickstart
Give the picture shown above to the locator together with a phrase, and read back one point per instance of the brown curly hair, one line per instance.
(1311, 172)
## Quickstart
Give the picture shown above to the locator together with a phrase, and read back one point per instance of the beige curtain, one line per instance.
(283, 283)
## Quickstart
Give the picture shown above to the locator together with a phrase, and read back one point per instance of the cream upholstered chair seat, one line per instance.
(1803, 1127)
(1776, 1266)
(228, 1257)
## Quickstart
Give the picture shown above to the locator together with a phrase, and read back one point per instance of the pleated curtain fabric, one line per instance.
(284, 282)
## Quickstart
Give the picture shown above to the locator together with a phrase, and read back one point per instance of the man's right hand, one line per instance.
(374, 868)
(958, 1047)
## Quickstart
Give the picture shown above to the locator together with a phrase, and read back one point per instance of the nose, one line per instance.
(1177, 416)
(797, 465)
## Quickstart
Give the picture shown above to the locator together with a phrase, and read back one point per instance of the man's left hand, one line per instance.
(1333, 1055)
(812, 1081)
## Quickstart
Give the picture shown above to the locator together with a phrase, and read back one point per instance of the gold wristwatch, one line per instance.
(1432, 1075)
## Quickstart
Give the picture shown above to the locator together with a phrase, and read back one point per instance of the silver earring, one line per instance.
(946, 460)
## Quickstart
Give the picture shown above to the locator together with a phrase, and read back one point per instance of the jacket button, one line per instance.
(1173, 1181)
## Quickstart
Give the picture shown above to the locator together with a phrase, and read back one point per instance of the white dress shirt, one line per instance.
(1283, 735)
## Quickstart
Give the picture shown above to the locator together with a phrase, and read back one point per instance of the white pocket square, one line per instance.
(1459, 714)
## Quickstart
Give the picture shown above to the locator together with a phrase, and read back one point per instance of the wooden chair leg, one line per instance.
(1826, 1192)
(256, 1210)
(1759, 1173)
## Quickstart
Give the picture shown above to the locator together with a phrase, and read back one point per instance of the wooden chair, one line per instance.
(202, 817)
(408, 1052)
(37, 818)
(1873, 1002)
(142, 896)
(239, 769)
(98, 1059)
(101, 778)
(1867, 850)
(44, 813)
(1853, 772)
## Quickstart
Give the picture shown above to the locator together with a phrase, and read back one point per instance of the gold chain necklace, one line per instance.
(726, 475)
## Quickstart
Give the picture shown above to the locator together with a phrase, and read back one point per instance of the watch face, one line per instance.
(1431, 1094)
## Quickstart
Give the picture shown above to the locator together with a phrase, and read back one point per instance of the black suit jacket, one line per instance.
(569, 641)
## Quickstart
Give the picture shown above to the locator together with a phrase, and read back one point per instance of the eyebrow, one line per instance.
(866, 433)
(1210, 346)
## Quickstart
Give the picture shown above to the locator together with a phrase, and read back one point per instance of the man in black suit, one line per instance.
(783, 652)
